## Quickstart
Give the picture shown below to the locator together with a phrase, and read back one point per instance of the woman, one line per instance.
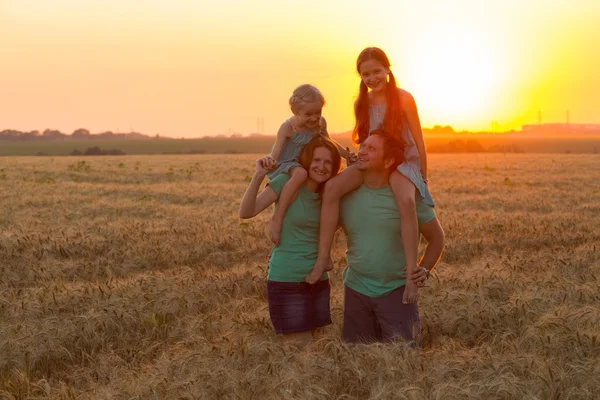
(296, 307)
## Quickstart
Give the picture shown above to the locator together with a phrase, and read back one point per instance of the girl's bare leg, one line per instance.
(348, 180)
(405, 193)
(287, 196)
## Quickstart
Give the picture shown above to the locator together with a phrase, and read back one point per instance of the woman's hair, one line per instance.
(306, 155)
(305, 94)
(392, 121)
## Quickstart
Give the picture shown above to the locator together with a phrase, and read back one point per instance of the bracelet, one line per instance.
(427, 273)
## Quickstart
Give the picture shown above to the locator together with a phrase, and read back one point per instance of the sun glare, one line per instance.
(453, 73)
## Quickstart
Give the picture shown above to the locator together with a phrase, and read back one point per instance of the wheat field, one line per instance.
(131, 277)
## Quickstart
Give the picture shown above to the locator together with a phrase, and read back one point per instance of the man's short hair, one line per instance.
(392, 148)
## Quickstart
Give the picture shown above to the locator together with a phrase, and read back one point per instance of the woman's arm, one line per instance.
(335, 188)
(414, 124)
(252, 202)
(345, 152)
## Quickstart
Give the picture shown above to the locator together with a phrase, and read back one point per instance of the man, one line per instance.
(374, 278)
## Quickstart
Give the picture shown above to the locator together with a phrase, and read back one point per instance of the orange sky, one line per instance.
(193, 68)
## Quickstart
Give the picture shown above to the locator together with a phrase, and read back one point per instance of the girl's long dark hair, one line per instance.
(392, 121)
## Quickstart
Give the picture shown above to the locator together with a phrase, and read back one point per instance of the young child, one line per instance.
(382, 105)
(306, 104)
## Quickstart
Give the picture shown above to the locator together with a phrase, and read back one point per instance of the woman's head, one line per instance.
(307, 104)
(373, 66)
(321, 159)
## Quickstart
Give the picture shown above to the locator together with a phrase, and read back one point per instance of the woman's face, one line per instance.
(321, 165)
(373, 74)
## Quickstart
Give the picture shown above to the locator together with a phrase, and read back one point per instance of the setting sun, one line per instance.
(454, 73)
(190, 69)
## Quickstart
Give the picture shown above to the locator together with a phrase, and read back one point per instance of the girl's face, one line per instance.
(321, 165)
(309, 114)
(373, 74)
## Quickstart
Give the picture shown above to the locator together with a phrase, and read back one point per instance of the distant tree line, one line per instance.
(53, 134)
(473, 146)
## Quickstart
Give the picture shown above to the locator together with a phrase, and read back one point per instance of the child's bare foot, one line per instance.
(329, 265)
(411, 292)
(275, 230)
(320, 267)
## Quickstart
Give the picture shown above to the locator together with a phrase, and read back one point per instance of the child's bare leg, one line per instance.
(348, 180)
(288, 193)
(405, 192)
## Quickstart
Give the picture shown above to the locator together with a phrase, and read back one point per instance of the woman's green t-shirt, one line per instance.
(296, 254)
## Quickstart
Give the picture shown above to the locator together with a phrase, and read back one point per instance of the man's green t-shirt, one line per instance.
(297, 252)
(371, 220)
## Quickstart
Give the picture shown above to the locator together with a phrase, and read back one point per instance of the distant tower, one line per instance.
(539, 117)
(260, 125)
(495, 126)
(568, 122)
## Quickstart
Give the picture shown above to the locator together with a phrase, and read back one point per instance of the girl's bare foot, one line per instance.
(275, 230)
(320, 267)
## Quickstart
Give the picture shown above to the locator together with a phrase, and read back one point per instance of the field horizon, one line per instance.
(133, 277)
(435, 143)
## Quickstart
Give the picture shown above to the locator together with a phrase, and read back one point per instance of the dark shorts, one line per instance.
(298, 306)
(380, 319)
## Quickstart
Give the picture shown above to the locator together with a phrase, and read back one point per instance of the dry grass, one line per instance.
(132, 277)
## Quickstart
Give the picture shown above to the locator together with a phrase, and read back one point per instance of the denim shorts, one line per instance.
(298, 306)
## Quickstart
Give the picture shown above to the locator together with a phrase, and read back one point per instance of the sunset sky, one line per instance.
(193, 68)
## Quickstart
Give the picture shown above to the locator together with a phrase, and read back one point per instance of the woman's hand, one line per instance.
(264, 165)
(252, 202)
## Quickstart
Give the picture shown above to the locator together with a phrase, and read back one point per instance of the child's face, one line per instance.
(373, 74)
(309, 114)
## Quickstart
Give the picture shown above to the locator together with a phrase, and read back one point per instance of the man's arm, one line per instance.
(434, 234)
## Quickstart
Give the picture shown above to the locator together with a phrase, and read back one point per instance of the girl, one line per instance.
(381, 104)
(306, 104)
(296, 307)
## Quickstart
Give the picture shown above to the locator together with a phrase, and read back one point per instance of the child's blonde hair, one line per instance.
(305, 94)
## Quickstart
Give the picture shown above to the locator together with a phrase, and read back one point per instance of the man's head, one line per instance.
(380, 152)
